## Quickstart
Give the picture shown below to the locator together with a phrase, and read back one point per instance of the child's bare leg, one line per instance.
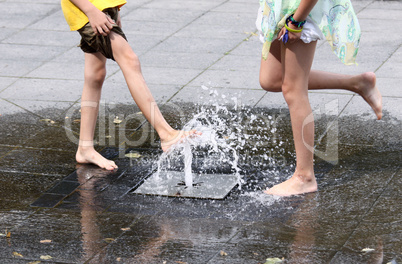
(363, 84)
(94, 73)
(297, 58)
(130, 66)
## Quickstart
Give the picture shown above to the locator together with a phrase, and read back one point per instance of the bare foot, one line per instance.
(370, 93)
(294, 186)
(177, 136)
(90, 155)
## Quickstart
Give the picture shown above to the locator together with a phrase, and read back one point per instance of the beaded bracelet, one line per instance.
(294, 22)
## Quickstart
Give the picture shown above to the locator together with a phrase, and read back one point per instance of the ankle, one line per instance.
(85, 145)
(167, 134)
(305, 176)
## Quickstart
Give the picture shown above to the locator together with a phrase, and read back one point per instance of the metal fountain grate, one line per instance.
(171, 183)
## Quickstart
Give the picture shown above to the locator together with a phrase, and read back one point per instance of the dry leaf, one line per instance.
(367, 250)
(8, 235)
(273, 261)
(117, 120)
(47, 120)
(125, 229)
(223, 253)
(133, 155)
(46, 241)
(118, 259)
(45, 257)
(35, 262)
(109, 240)
(181, 262)
(77, 120)
(17, 254)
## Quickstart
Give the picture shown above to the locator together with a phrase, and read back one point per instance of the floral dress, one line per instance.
(335, 18)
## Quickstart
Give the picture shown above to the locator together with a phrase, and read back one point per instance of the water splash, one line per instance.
(233, 136)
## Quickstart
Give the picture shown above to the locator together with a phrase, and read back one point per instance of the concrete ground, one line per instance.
(195, 56)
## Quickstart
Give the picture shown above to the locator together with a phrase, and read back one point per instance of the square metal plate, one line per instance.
(171, 183)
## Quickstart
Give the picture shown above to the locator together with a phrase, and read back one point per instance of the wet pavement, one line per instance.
(53, 211)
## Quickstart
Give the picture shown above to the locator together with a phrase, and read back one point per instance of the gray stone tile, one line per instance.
(19, 190)
(168, 76)
(31, 53)
(32, 160)
(179, 60)
(228, 79)
(392, 109)
(44, 89)
(248, 9)
(380, 13)
(71, 56)
(142, 43)
(48, 38)
(44, 109)
(237, 63)
(197, 30)
(6, 32)
(273, 100)
(390, 87)
(198, 45)
(155, 15)
(220, 96)
(5, 82)
(12, 68)
(188, 5)
(52, 22)
(23, 17)
(156, 28)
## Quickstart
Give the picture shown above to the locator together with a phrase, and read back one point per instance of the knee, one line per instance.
(293, 95)
(270, 83)
(96, 75)
(128, 57)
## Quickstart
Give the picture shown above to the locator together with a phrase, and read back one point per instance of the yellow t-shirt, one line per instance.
(76, 19)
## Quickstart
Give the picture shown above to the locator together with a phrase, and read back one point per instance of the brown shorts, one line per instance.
(91, 42)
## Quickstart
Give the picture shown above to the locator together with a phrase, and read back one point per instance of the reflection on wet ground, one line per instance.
(93, 216)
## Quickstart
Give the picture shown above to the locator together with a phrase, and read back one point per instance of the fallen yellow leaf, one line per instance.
(223, 253)
(109, 240)
(133, 155)
(118, 259)
(274, 261)
(46, 241)
(35, 262)
(17, 254)
(367, 250)
(47, 120)
(125, 229)
(8, 235)
(117, 120)
(45, 257)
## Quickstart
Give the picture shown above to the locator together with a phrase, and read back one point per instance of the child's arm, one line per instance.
(301, 14)
(304, 9)
(100, 22)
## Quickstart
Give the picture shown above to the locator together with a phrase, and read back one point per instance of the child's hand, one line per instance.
(292, 37)
(100, 22)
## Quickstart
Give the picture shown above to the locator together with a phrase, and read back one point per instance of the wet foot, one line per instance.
(293, 186)
(90, 155)
(177, 136)
(370, 93)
